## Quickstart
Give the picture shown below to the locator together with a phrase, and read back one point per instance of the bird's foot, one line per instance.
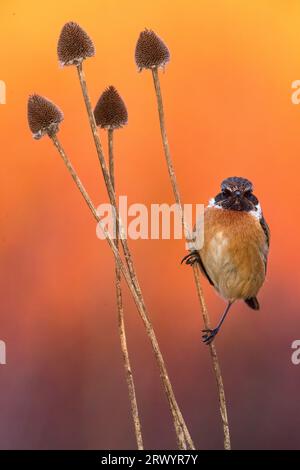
(209, 335)
(191, 258)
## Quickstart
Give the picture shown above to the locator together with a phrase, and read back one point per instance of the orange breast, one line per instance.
(234, 252)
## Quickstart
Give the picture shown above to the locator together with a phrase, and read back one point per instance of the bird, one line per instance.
(236, 244)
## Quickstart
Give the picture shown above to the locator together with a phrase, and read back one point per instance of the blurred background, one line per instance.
(227, 93)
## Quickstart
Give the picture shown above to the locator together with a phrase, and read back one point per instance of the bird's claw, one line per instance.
(209, 335)
(191, 258)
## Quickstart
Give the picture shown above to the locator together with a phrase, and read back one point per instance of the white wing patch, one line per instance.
(257, 213)
(212, 203)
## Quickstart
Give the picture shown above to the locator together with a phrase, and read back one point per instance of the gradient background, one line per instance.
(227, 94)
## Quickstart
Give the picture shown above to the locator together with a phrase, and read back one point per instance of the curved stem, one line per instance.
(213, 352)
(183, 437)
(121, 322)
(215, 361)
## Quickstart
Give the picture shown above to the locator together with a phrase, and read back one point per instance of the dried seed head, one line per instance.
(151, 51)
(74, 45)
(110, 111)
(43, 116)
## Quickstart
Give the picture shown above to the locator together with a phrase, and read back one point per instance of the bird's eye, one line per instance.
(247, 193)
(226, 192)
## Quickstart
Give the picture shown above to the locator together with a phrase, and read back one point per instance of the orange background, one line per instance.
(227, 93)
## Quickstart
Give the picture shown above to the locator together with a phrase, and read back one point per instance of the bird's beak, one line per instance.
(237, 198)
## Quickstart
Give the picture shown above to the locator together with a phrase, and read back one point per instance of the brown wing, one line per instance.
(194, 257)
(202, 267)
(266, 230)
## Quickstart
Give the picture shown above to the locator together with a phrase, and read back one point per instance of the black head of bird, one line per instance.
(237, 194)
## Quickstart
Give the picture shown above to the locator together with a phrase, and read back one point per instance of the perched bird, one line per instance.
(236, 244)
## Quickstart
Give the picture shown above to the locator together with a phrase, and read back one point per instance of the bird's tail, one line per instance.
(252, 302)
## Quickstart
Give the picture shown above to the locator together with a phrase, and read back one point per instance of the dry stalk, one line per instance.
(184, 440)
(121, 322)
(206, 320)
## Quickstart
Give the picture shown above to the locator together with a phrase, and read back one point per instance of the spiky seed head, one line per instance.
(150, 51)
(110, 111)
(44, 116)
(74, 45)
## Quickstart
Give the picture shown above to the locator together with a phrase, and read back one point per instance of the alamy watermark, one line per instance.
(295, 358)
(2, 352)
(159, 221)
(2, 92)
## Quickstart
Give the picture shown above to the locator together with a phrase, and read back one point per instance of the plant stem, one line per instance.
(107, 180)
(183, 438)
(213, 352)
(215, 361)
(121, 322)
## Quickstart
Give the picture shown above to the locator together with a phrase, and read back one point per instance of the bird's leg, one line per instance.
(209, 334)
(191, 258)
